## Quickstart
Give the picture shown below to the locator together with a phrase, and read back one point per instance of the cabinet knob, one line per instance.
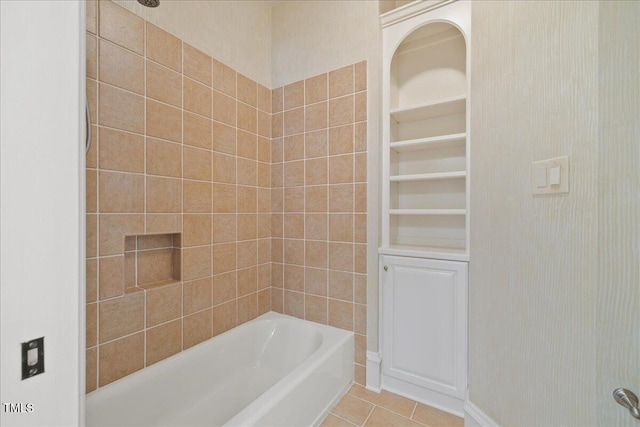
(385, 268)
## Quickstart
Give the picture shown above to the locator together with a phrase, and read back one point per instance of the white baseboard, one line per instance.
(444, 402)
(374, 382)
(474, 417)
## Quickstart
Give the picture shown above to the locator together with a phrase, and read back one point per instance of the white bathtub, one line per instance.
(273, 371)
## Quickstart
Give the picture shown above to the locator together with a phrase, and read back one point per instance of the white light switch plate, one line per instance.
(544, 167)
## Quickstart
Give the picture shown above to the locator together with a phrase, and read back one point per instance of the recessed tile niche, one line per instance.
(152, 260)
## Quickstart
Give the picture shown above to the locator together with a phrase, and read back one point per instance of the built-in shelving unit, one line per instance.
(425, 139)
(425, 204)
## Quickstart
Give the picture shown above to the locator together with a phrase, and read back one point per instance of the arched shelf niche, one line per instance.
(425, 141)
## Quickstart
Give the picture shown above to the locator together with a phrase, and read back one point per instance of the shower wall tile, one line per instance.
(197, 328)
(120, 109)
(111, 273)
(120, 67)
(341, 81)
(164, 84)
(163, 304)
(120, 358)
(197, 65)
(318, 245)
(92, 52)
(197, 131)
(224, 78)
(91, 280)
(197, 97)
(264, 99)
(247, 90)
(121, 151)
(91, 16)
(121, 316)
(164, 48)
(163, 158)
(91, 369)
(163, 121)
(121, 27)
(181, 144)
(315, 89)
(163, 341)
(121, 192)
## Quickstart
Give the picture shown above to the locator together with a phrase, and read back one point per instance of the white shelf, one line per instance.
(453, 140)
(427, 211)
(432, 252)
(428, 176)
(430, 110)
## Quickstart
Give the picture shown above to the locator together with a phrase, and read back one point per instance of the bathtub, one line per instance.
(273, 371)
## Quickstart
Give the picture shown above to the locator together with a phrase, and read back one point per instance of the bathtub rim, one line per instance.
(286, 384)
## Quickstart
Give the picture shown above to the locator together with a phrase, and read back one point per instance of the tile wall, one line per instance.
(319, 221)
(180, 157)
(204, 208)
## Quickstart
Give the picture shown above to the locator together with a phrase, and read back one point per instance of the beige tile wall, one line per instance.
(180, 153)
(243, 209)
(319, 220)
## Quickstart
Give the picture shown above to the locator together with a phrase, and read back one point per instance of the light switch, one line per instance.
(541, 177)
(554, 175)
(550, 176)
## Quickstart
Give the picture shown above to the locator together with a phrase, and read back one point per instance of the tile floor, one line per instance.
(361, 407)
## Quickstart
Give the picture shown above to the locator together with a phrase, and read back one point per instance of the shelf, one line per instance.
(428, 176)
(453, 140)
(430, 110)
(432, 252)
(427, 211)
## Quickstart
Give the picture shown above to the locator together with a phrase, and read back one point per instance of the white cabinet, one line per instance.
(424, 329)
(425, 146)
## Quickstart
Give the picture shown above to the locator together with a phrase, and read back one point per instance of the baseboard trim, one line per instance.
(473, 416)
(374, 382)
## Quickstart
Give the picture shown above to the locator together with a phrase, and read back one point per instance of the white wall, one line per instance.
(533, 271)
(237, 33)
(41, 192)
(313, 37)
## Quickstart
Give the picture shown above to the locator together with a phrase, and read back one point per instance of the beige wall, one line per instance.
(311, 37)
(237, 33)
(618, 300)
(533, 270)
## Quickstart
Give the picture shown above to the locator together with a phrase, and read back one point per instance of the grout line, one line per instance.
(344, 419)
(370, 413)
(415, 406)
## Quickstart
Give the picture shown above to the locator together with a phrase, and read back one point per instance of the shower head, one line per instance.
(149, 3)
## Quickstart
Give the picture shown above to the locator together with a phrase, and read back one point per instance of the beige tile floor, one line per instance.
(361, 407)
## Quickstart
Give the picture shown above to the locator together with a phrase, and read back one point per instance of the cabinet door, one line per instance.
(424, 321)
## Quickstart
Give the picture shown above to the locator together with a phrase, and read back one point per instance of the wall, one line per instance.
(618, 298)
(237, 33)
(533, 274)
(42, 191)
(319, 202)
(181, 152)
(339, 33)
